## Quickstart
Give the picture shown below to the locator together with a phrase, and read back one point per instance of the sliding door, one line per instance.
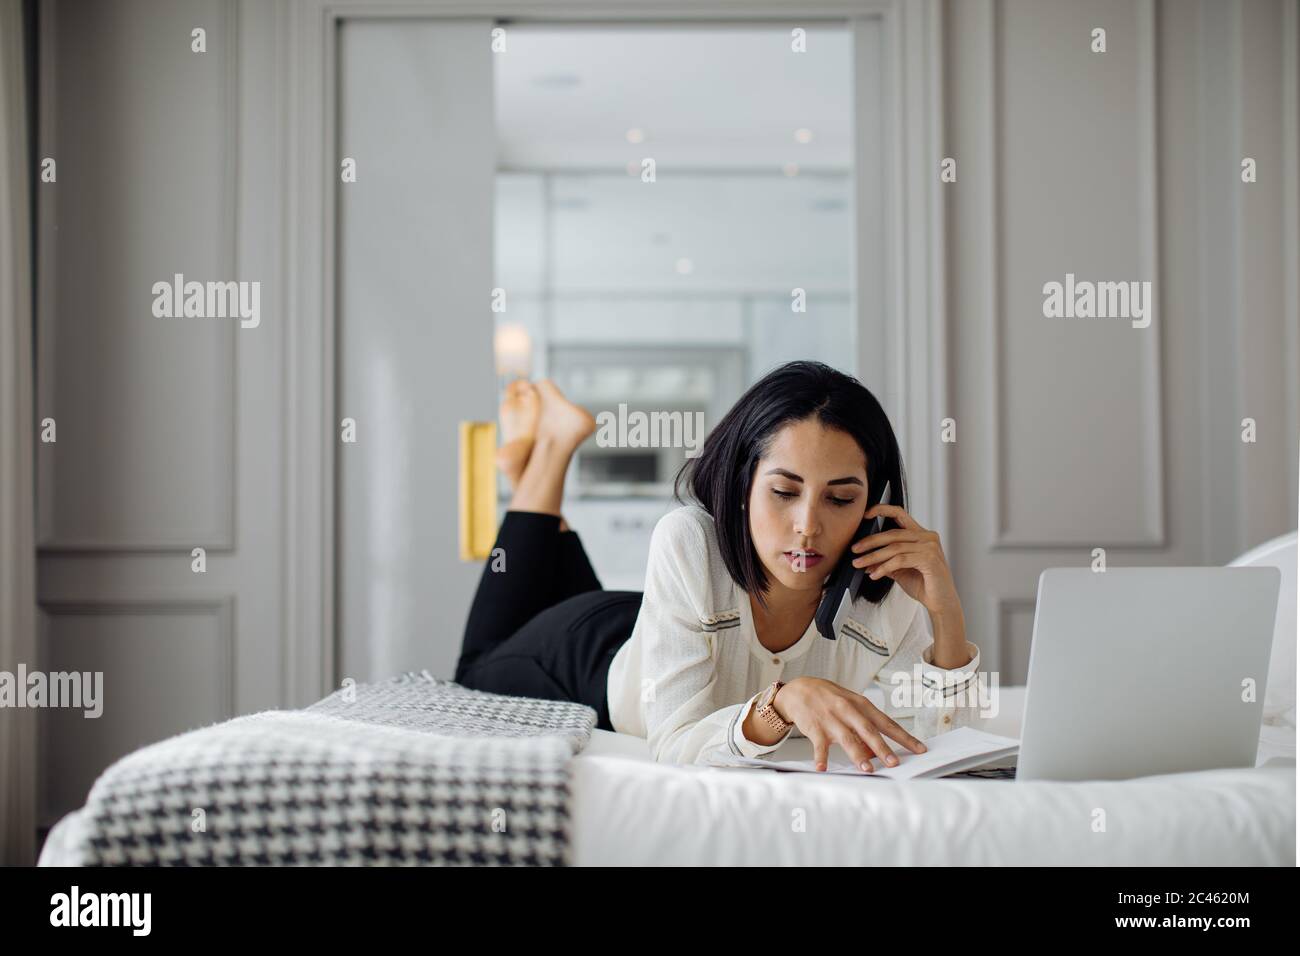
(414, 184)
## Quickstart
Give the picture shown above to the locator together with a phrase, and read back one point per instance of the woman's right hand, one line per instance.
(826, 713)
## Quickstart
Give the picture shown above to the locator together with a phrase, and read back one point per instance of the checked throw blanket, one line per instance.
(411, 770)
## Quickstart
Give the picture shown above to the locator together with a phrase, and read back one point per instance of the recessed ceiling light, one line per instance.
(557, 81)
(685, 266)
(790, 169)
(635, 135)
(803, 136)
(829, 204)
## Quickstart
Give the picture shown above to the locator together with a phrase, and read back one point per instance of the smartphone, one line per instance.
(845, 580)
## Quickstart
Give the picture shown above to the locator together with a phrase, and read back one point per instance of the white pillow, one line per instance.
(1288, 718)
(1279, 695)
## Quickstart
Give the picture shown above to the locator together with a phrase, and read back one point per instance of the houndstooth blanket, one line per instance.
(412, 770)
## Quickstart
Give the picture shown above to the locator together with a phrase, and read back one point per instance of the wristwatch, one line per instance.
(767, 713)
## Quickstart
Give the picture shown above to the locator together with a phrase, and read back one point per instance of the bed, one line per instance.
(623, 808)
(627, 809)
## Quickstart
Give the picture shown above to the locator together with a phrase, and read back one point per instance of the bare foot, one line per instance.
(562, 423)
(561, 428)
(512, 458)
(520, 408)
(519, 412)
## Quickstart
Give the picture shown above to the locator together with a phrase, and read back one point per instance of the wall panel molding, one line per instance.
(218, 608)
(1153, 534)
(52, 537)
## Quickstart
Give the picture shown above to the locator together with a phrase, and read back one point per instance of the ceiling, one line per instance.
(703, 97)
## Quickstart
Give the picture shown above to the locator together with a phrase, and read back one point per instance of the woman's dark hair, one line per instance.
(721, 476)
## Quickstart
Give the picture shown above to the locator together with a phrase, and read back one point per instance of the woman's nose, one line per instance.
(806, 523)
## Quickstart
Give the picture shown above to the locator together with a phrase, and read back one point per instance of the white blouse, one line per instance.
(693, 667)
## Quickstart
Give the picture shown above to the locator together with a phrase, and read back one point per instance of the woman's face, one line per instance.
(807, 498)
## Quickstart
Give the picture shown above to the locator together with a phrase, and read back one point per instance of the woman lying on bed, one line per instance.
(721, 652)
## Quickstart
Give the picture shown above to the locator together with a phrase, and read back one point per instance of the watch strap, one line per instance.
(767, 713)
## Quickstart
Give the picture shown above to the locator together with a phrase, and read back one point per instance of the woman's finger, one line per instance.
(853, 745)
(872, 541)
(884, 554)
(897, 513)
(821, 747)
(888, 726)
(877, 743)
(891, 728)
(889, 567)
(864, 729)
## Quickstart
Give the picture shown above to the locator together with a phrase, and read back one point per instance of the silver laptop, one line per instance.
(1142, 671)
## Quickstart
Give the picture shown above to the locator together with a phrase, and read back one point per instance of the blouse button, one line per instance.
(776, 660)
(947, 718)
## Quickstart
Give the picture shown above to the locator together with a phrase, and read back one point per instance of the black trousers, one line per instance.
(541, 626)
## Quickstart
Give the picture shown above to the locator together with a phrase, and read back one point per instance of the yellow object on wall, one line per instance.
(478, 489)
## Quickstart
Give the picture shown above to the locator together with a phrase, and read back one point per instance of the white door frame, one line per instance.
(909, 289)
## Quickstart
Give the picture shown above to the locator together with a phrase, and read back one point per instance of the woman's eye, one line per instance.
(837, 502)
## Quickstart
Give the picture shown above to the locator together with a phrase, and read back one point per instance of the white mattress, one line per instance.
(627, 809)
(630, 810)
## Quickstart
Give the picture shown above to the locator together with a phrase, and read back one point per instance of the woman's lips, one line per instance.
(803, 560)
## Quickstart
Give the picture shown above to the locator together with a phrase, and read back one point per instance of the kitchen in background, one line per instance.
(673, 295)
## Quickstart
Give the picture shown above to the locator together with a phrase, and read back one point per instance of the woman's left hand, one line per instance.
(913, 557)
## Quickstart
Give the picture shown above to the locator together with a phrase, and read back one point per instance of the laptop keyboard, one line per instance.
(991, 773)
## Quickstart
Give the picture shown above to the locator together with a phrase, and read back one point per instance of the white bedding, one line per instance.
(630, 810)
(627, 809)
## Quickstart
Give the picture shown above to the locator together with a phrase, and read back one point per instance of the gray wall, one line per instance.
(1080, 434)
(169, 431)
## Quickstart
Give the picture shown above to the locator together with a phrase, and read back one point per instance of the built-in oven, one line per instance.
(653, 407)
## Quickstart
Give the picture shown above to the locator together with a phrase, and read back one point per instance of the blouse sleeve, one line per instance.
(935, 699)
(683, 719)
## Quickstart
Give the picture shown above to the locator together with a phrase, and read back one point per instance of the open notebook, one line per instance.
(962, 749)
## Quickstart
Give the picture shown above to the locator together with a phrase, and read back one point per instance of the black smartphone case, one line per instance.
(845, 577)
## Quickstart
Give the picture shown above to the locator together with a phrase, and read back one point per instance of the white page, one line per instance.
(960, 749)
